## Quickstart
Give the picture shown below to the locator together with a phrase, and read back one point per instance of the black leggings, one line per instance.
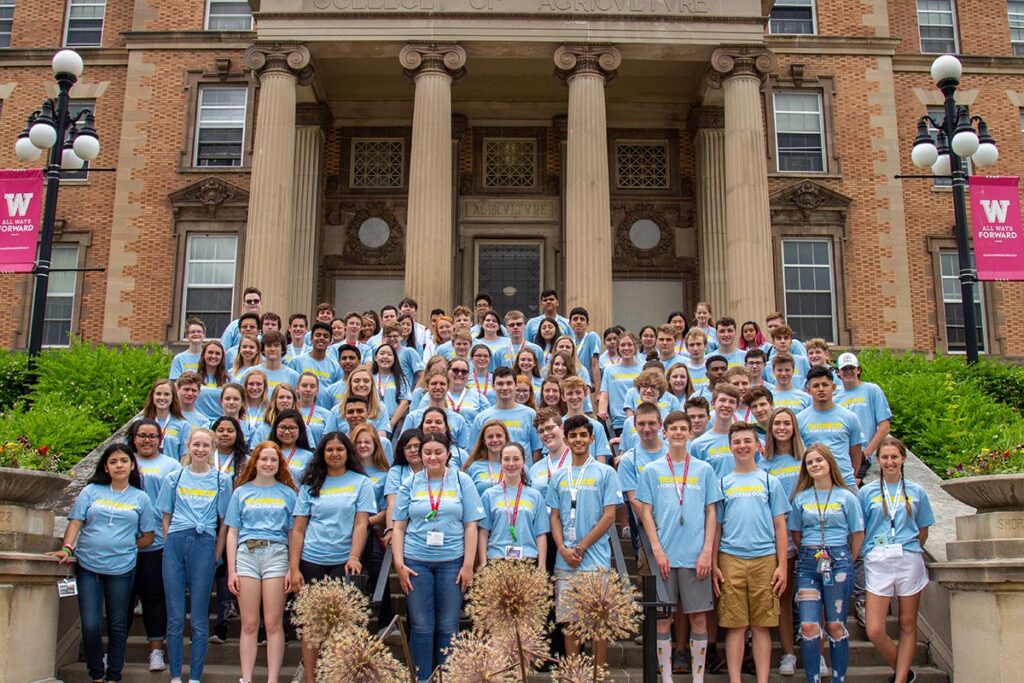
(149, 588)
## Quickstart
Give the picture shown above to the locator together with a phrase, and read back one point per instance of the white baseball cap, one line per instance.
(847, 360)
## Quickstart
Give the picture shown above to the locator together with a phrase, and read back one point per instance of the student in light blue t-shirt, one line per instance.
(434, 545)
(162, 405)
(867, 401)
(617, 380)
(836, 427)
(713, 445)
(515, 521)
(314, 416)
(213, 374)
(649, 448)
(677, 496)
(898, 514)
(750, 561)
(588, 344)
(828, 526)
(484, 462)
(193, 502)
(195, 332)
(111, 520)
(518, 419)
(582, 497)
(258, 521)
(288, 431)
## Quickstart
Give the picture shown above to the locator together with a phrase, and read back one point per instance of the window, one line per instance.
(510, 163)
(74, 107)
(792, 16)
(6, 19)
(228, 15)
(210, 281)
(809, 288)
(1022, 126)
(936, 21)
(221, 128)
(85, 22)
(641, 165)
(1015, 11)
(377, 163)
(60, 296)
(949, 271)
(799, 132)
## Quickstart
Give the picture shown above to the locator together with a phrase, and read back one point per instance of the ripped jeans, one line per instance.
(813, 595)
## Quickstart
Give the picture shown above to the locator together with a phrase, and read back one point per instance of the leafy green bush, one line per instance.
(110, 383)
(68, 432)
(13, 374)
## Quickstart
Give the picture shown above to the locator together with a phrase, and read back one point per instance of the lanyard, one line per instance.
(822, 513)
(681, 347)
(512, 516)
(457, 407)
(388, 383)
(291, 454)
(309, 415)
(681, 490)
(561, 461)
(163, 429)
(253, 420)
(614, 360)
(574, 488)
(435, 505)
(490, 474)
(227, 462)
(894, 503)
(487, 382)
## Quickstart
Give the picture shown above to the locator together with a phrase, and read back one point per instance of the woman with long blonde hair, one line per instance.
(484, 462)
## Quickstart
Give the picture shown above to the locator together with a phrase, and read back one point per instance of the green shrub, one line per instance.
(13, 375)
(111, 384)
(67, 431)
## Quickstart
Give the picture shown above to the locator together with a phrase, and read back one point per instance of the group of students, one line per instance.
(266, 461)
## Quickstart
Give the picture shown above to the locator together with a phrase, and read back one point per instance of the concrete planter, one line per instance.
(29, 487)
(988, 493)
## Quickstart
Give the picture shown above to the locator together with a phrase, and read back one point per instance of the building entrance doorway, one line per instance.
(510, 272)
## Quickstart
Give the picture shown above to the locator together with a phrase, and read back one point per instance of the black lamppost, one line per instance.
(47, 128)
(946, 160)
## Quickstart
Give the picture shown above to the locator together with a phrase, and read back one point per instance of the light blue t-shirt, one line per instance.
(541, 471)
(261, 512)
(587, 348)
(517, 420)
(783, 467)
(457, 424)
(194, 419)
(713, 448)
(327, 371)
(332, 516)
(838, 428)
(111, 523)
(297, 459)
(293, 352)
(633, 463)
(183, 362)
(482, 388)
(377, 480)
(208, 402)
(316, 419)
(794, 399)
(484, 474)
(736, 358)
(800, 368)
(174, 433)
(617, 380)
(598, 487)
(396, 475)
(466, 403)
(390, 393)
(659, 488)
(513, 350)
(699, 377)
(842, 516)
(329, 396)
(879, 526)
(231, 335)
(672, 361)
(533, 325)
(283, 375)
(154, 472)
(459, 505)
(501, 350)
(196, 502)
(867, 401)
(531, 520)
(751, 501)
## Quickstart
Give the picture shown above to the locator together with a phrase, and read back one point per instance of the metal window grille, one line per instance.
(642, 165)
(510, 163)
(378, 163)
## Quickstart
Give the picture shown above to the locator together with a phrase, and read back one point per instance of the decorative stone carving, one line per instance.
(392, 252)
(314, 115)
(447, 58)
(210, 193)
(705, 117)
(629, 256)
(809, 202)
(573, 60)
(729, 61)
(280, 58)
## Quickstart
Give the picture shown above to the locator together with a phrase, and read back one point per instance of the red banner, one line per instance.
(995, 217)
(21, 204)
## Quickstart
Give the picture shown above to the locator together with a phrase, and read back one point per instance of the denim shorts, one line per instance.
(266, 562)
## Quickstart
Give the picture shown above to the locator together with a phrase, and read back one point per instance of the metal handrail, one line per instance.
(382, 578)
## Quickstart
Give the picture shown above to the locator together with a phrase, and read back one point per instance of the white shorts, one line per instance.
(899, 576)
(267, 562)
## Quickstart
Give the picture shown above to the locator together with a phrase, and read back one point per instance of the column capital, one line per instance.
(290, 59)
(437, 58)
(704, 118)
(573, 60)
(730, 61)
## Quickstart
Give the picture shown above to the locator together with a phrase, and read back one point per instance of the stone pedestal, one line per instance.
(430, 226)
(984, 574)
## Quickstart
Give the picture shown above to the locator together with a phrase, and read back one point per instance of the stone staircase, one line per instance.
(625, 658)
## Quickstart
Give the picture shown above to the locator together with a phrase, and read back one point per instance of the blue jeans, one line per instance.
(94, 592)
(434, 606)
(188, 565)
(813, 595)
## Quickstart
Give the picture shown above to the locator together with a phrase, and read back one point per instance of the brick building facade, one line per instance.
(439, 150)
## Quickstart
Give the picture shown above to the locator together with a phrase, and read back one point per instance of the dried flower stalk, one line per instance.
(474, 658)
(601, 605)
(351, 655)
(510, 595)
(578, 669)
(322, 606)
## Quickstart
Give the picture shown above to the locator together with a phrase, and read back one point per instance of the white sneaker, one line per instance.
(156, 660)
(176, 680)
(626, 533)
(300, 674)
(825, 670)
(138, 609)
(787, 667)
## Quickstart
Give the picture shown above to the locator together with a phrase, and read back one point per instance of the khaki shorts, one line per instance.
(747, 598)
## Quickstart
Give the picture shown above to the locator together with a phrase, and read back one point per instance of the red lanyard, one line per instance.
(487, 382)
(681, 491)
(292, 454)
(309, 416)
(435, 505)
(457, 407)
(163, 430)
(511, 516)
(561, 460)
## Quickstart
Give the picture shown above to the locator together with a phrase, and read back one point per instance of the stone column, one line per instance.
(709, 142)
(271, 228)
(588, 232)
(428, 241)
(750, 285)
(309, 156)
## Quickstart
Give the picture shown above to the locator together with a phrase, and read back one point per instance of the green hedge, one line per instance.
(945, 411)
(13, 376)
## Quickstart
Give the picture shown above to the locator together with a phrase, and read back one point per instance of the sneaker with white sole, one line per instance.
(156, 660)
(231, 611)
(825, 670)
(138, 609)
(300, 674)
(787, 667)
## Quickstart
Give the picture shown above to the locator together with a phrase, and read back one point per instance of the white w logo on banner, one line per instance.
(995, 210)
(17, 204)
